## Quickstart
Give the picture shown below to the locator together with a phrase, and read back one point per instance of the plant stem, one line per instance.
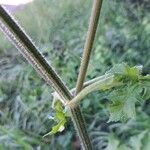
(87, 83)
(106, 83)
(93, 23)
(23, 43)
(86, 53)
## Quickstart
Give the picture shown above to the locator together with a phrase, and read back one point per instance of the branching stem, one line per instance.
(107, 82)
(24, 44)
(87, 52)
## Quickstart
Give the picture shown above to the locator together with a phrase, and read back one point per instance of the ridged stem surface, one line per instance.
(24, 44)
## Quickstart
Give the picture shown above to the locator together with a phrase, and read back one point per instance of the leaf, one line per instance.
(59, 118)
(115, 111)
(132, 73)
(123, 111)
(136, 88)
(124, 72)
(123, 102)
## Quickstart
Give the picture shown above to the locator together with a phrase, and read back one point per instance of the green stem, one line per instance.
(87, 83)
(103, 84)
(93, 23)
(86, 56)
(23, 43)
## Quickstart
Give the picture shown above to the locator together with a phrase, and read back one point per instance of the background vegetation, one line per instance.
(59, 27)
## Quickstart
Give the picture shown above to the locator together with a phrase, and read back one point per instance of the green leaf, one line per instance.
(124, 72)
(122, 111)
(115, 111)
(136, 88)
(123, 102)
(59, 118)
(132, 73)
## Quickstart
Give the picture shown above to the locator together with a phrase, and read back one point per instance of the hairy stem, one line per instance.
(87, 51)
(93, 23)
(24, 44)
(104, 83)
(87, 83)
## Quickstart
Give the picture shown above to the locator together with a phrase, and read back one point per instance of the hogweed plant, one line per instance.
(125, 85)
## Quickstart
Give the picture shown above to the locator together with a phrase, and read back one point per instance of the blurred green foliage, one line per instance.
(59, 28)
